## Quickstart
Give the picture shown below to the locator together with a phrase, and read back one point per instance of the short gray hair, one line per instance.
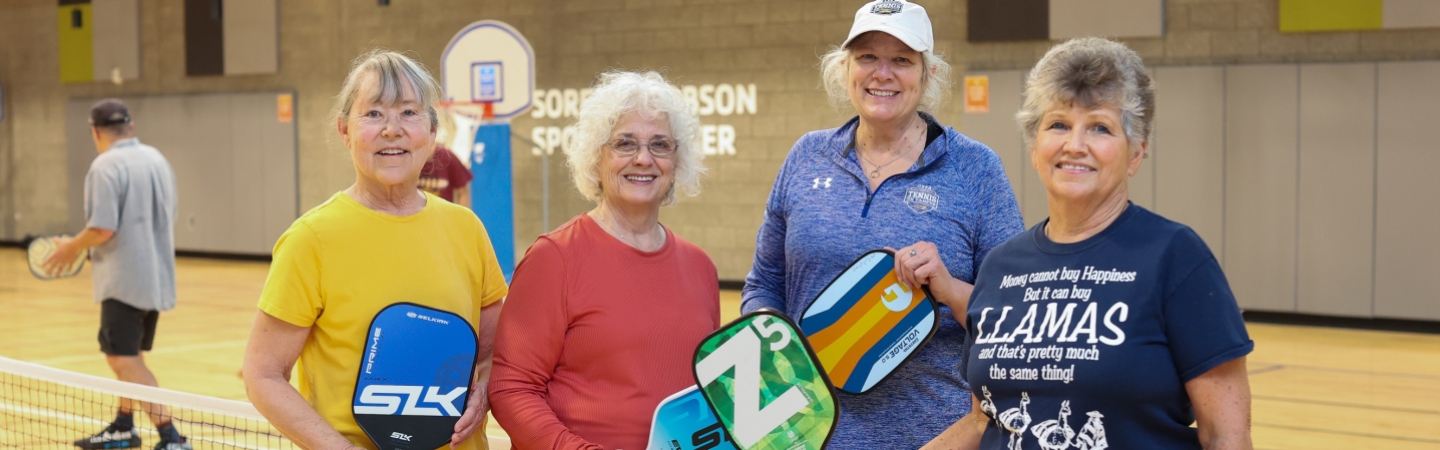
(649, 94)
(834, 65)
(1094, 72)
(391, 69)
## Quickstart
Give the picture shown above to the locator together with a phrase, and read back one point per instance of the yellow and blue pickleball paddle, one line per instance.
(414, 377)
(865, 324)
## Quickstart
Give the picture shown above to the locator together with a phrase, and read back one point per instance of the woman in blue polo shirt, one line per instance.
(890, 177)
(1106, 325)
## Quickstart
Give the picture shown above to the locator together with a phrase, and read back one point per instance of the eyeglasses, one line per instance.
(659, 148)
(375, 116)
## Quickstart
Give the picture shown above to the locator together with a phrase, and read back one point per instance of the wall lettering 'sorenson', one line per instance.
(707, 100)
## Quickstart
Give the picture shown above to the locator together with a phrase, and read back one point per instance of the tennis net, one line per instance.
(44, 408)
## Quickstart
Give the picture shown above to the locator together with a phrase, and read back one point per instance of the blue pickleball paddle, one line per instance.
(683, 421)
(414, 377)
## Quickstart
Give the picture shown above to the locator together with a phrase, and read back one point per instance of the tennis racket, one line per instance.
(683, 421)
(414, 377)
(40, 250)
(865, 324)
(763, 382)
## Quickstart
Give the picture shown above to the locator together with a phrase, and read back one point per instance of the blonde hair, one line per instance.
(617, 93)
(1093, 72)
(834, 67)
(392, 70)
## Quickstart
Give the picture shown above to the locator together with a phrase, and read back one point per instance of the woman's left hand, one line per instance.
(476, 407)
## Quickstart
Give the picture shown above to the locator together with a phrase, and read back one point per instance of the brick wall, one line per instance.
(771, 44)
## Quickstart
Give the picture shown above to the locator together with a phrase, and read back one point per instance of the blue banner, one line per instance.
(492, 191)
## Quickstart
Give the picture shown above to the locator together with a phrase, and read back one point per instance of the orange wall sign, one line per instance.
(285, 108)
(977, 94)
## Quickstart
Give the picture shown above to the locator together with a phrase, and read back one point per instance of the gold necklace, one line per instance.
(875, 172)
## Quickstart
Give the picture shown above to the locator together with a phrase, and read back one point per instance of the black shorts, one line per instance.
(126, 330)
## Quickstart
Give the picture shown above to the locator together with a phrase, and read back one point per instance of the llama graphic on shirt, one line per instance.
(1053, 434)
(987, 405)
(1092, 435)
(1016, 420)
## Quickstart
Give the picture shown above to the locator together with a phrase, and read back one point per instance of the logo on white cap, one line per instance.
(886, 7)
(905, 21)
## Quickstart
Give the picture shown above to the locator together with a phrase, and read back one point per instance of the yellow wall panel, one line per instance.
(77, 57)
(1331, 15)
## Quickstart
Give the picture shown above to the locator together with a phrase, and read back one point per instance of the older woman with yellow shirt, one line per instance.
(376, 243)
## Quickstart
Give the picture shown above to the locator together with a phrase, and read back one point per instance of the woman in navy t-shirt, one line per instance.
(1106, 325)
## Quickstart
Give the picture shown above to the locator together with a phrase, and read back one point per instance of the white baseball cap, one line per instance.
(904, 20)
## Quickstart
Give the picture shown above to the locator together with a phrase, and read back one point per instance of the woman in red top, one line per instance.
(605, 312)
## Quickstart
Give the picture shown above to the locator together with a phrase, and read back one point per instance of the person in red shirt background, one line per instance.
(447, 177)
(605, 311)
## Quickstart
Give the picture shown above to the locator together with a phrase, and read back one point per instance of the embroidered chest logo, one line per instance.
(922, 199)
(886, 8)
(821, 181)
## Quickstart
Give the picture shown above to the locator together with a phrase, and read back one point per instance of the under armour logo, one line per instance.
(818, 182)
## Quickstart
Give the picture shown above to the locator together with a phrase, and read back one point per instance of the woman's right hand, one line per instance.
(920, 264)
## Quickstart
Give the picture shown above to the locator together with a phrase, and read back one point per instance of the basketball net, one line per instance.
(462, 122)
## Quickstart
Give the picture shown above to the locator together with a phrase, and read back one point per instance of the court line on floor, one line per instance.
(1267, 369)
(158, 351)
(1348, 433)
(1347, 405)
(1340, 370)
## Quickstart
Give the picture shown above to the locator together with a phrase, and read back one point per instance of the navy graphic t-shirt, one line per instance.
(1089, 345)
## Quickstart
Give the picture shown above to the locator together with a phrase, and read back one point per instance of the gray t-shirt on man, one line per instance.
(130, 190)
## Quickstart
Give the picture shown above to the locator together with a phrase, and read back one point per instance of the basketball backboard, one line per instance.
(489, 62)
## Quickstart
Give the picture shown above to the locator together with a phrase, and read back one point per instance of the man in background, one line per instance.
(447, 177)
(130, 208)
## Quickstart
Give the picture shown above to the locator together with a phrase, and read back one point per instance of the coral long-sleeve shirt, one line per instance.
(595, 334)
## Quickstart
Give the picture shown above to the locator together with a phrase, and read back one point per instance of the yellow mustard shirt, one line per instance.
(341, 263)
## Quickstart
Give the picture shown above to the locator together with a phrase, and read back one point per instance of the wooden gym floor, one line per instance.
(1314, 388)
